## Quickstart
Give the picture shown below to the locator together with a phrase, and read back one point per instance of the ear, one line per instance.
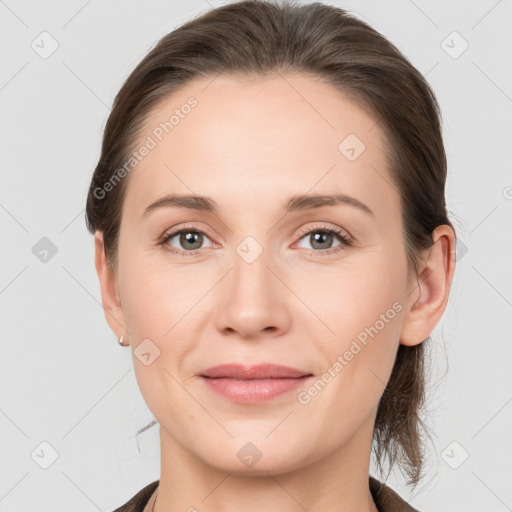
(430, 294)
(109, 294)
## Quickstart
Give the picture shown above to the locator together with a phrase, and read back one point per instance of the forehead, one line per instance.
(260, 139)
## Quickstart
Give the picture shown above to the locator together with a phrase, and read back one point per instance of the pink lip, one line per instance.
(260, 371)
(253, 384)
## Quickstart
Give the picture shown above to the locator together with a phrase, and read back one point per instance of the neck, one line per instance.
(337, 482)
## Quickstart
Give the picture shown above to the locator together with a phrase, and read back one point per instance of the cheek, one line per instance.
(162, 305)
(158, 307)
(354, 297)
(364, 310)
(363, 307)
(155, 298)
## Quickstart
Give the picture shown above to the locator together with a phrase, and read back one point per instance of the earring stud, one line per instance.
(121, 338)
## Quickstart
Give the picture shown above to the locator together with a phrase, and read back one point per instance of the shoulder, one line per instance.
(140, 500)
(386, 499)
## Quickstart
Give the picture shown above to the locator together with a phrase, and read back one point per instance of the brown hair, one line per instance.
(260, 38)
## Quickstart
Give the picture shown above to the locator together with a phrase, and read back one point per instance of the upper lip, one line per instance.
(260, 371)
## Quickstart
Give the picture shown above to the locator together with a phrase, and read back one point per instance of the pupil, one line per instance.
(321, 237)
(189, 238)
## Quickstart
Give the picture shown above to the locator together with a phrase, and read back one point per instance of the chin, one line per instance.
(246, 458)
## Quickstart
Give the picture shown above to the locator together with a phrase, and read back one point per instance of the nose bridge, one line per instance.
(252, 301)
(251, 277)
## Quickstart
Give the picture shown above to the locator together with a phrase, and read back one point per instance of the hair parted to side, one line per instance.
(260, 38)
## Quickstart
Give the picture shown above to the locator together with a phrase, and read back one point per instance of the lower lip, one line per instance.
(253, 391)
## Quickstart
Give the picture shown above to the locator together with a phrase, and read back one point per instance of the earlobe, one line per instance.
(109, 294)
(429, 299)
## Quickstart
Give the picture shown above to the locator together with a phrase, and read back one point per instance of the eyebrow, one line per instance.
(295, 203)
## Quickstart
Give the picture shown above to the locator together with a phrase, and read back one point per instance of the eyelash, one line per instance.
(346, 241)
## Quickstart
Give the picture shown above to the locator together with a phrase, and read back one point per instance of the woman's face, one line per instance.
(259, 279)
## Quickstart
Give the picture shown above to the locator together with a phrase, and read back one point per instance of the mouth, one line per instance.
(260, 371)
(253, 384)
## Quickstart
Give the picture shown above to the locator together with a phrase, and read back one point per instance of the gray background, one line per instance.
(63, 378)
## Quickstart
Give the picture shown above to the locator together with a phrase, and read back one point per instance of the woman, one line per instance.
(300, 155)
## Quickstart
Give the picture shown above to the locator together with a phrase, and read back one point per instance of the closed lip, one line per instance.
(260, 371)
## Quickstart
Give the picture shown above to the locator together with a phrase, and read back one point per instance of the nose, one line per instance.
(254, 300)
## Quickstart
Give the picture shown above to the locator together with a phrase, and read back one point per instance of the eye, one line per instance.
(321, 238)
(190, 239)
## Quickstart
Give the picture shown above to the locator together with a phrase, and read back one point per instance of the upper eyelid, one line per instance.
(336, 229)
(171, 232)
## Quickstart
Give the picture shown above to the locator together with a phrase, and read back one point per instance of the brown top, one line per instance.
(384, 497)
